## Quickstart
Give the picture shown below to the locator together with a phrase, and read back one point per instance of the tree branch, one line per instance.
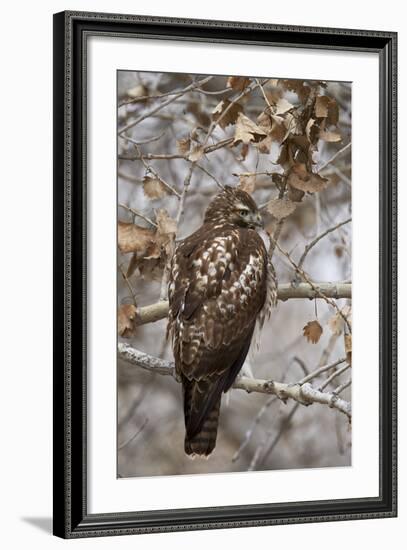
(192, 86)
(285, 291)
(318, 238)
(304, 394)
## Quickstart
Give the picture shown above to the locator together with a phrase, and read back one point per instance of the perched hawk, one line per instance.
(217, 288)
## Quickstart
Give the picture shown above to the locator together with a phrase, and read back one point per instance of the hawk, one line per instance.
(217, 289)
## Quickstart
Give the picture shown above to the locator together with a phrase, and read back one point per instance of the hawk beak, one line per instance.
(258, 220)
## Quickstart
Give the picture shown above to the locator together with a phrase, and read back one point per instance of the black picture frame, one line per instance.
(71, 518)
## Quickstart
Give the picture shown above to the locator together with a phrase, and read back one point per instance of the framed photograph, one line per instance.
(225, 274)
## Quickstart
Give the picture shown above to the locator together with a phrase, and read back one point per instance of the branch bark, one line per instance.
(304, 393)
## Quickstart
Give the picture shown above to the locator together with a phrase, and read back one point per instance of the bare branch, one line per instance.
(334, 157)
(138, 213)
(304, 394)
(192, 86)
(317, 239)
(333, 376)
(285, 291)
(149, 168)
(133, 436)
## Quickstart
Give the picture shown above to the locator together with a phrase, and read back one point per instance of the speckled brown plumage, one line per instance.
(218, 285)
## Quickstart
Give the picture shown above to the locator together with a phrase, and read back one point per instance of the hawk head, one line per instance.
(233, 206)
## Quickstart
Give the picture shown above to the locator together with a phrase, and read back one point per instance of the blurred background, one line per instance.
(163, 142)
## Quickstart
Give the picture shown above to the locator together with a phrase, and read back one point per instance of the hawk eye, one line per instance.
(244, 212)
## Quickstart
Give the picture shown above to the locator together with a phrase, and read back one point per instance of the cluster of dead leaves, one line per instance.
(295, 128)
(150, 248)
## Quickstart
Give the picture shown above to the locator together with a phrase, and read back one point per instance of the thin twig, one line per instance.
(165, 103)
(305, 277)
(333, 376)
(133, 294)
(145, 141)
(342, 387)
(260, 458)
(138, 213)
(149, 168)
(133, 436)
(334, 157)
(318, 238)
(321, 370)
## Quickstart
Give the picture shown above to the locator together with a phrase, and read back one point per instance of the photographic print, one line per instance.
(234, 273)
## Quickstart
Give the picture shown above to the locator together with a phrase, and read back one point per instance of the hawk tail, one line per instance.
(203, 442)
(201, 410)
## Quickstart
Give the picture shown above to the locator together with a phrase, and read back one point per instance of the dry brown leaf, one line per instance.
(331, 137)
(165, 224)
(274, 128)
(151, 269)
(321, 106)
(293, 125)
(312, 331)
(134, 238)
(295, 195)
(283, 106)
(264, 146)
(337, 323)
(247, 182)
(265, 121)
(247, 131)
(154, 188)
(201, 115)
(281, 208)
(298, 87)
(231, 115)
(348, 347)
(301, 179)
(126, 316)
(196, 153)
(137, 91)
(238, 83)
(312, 131)
(278, 130)
(339, 251)
(244, 151)
(326, 107)
(183, 146)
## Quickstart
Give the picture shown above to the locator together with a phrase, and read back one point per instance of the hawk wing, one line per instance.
(217, 288)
